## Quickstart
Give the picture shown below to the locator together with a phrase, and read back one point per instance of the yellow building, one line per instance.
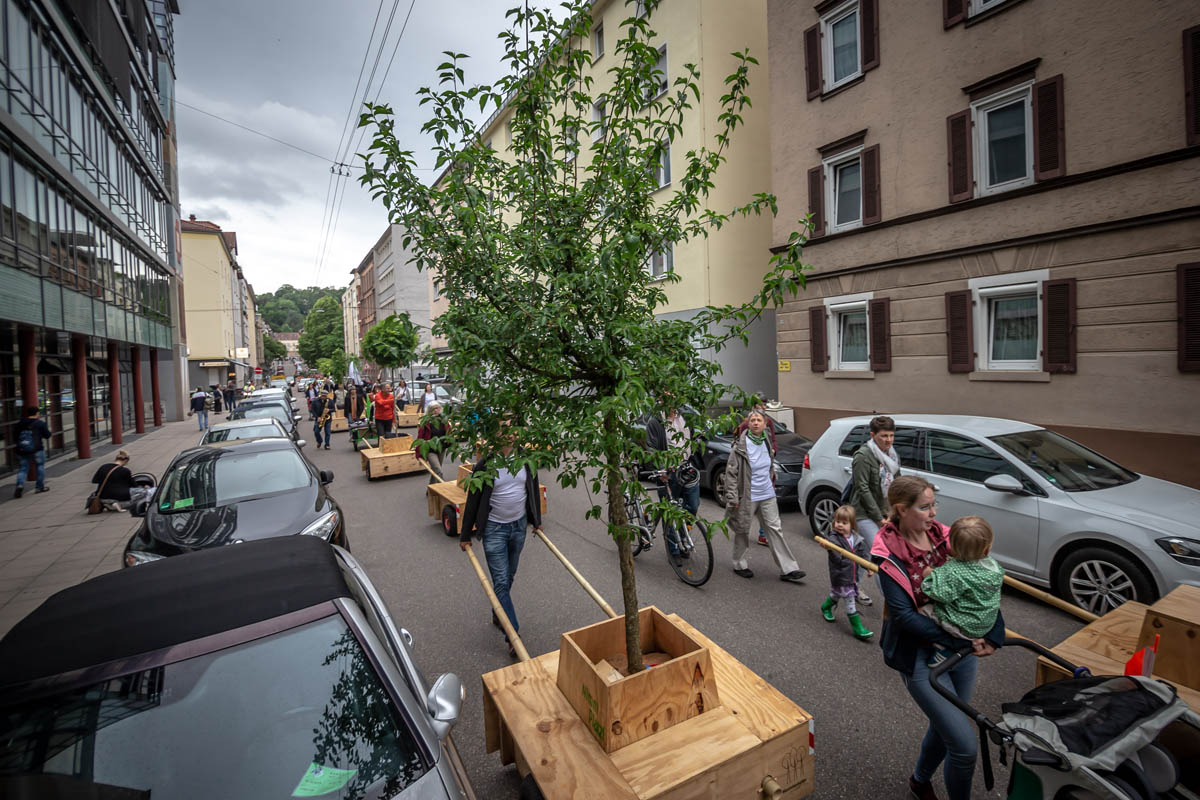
(216, 298)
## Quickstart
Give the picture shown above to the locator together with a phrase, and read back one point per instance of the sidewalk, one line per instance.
(48, 542)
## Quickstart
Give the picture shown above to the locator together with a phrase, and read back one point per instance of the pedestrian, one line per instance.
(427, 397)
(339, 395)
(874, 467)
(325, 406)
(385, 410)
(310, 395)
(114, 480)
(230, 393)
(749, 492)
(843, 571)
(910, 541)
(741, 428)
(432, 430)
(200, 404)
(216, 396)
(402, 394)
(966, 589)
(30, 434)
(499, 513)
(683, 481)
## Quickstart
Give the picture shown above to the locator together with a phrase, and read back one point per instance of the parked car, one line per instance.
(233, 492)
(277, 660)
(259, 395)
(1064, 516)
(269, 410)
(233, 429)
(280, 383)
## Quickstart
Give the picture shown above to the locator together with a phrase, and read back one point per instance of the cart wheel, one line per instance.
(529, 789)
(450, 520)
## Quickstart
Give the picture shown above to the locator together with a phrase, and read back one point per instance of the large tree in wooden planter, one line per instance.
(542, 252)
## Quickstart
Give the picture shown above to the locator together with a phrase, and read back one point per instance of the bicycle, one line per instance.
(692, 560)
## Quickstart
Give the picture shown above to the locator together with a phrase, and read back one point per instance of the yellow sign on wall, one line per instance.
(785, 366)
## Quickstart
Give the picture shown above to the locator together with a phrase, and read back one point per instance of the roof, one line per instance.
(240, 423)
(980, 426)
(235, 445)
(179, 599)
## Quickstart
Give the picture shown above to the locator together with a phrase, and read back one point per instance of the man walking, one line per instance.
(230, 399)
(325, 407)
(31, 433)
(200, 401)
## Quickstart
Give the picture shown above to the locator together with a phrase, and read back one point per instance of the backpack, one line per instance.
(848, 491)
(26, 443)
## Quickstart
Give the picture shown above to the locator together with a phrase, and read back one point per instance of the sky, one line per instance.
(287, 68)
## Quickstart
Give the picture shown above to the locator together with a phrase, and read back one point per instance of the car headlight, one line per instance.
(1185, 551)
(135, 557)
(324, 527)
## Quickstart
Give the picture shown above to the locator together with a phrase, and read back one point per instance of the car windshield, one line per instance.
(217, 477)
(1067, 464)
(300, 713)
(271, 411)
(265, 431)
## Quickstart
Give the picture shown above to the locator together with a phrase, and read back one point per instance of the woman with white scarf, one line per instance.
(874, 467)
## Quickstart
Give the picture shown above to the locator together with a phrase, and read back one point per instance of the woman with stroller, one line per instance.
(910, 541)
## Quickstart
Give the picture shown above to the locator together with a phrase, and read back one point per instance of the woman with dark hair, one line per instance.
(911, 541)
(874, 467)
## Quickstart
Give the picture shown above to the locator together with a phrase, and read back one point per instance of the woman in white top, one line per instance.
(428, 398)
(749, 492)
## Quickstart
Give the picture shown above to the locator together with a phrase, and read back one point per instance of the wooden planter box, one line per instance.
(339, 425)
(394, 456)
(620, 710)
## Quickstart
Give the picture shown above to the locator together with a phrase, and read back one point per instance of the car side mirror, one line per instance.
(300, 443)
(296, 417)
(445, 702)
(138, 509)
(1004, 483)
(326, 476)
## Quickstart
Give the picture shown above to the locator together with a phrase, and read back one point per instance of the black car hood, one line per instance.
(248, 520)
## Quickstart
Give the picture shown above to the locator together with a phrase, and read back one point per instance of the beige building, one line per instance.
(219, 306)
(350, 316)
(1006, 198)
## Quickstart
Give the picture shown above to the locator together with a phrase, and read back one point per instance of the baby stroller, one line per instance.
(1089, 737)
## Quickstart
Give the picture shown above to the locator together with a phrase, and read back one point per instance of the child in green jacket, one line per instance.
(966, 589)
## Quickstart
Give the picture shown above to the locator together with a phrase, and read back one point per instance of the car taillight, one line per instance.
(806, 464)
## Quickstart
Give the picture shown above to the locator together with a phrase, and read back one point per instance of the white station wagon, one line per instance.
(1064, 516)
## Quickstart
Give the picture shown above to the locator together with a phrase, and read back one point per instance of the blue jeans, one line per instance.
(951, 736)
(502, 543)
(317, 427)
(202, 418)
(23, 460)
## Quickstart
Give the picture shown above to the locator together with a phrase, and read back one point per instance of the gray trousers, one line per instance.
(767, 512)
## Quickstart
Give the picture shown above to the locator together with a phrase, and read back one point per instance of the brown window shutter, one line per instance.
(816, 200)
(1058, 325)
(870, 186)
(812, 61)
(1049, 141)
(816, 338)
(958, 149)
(1188, 302)
(960, 339)
(1191, 69)
(869, 24)
(880, 319)
(953, 12)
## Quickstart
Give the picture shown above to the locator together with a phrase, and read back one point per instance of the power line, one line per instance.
(362, 68)
(378, 55)
(256, 133)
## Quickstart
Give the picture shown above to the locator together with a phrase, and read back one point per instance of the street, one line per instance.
(867, 728)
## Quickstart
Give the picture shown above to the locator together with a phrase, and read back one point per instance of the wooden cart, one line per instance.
(394, 456)
(410, 417)
(447, 499)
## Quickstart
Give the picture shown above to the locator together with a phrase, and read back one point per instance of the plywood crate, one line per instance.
(1175, 619)
(395, 444)
(407, 420)
(377, 463)
(411, 408)
(339, 425)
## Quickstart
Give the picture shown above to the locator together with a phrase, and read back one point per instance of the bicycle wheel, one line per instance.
(694, 562)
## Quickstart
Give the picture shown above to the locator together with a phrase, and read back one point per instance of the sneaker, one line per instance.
(326, 447)
(795, 576)
(762, 539)
(17, 494)
(744, 573)
(41, 489)
(865, 599)
(921, 791)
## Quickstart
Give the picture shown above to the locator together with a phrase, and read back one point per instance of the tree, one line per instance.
(322, 334)
(273, 349)
(543, 255)
(391, 343)
(334, 366)
(286, 307)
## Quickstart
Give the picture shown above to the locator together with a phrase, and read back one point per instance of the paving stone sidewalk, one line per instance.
(49, 542)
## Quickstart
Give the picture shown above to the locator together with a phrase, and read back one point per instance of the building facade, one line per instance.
(400, 288)
(1006, 207)
(350, 316)
(218, 305)
(88, 312)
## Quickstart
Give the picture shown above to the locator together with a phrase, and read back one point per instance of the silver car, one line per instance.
(232, 429)
(1064, 516)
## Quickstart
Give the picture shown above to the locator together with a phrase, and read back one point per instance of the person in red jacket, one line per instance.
(385, 410)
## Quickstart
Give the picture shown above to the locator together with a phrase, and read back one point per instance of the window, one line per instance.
(850, 336)
(661, 262)
(839, 45)
(487, 145)
(907, 444)
(639, 9)
(979, 6)
(966, 459)
(1008, 321)
(508, 134)
(1003, 143)
(662, 168)
(598, 42)
(659, 84)
(843, 182)
(599, 128)
(1065, 463)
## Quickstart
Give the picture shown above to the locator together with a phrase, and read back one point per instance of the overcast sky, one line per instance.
(287, 68)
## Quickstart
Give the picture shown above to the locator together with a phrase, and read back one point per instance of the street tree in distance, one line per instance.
(392, 342)
(334, 366)
(273, 349)
(322, 335)
(553, 322)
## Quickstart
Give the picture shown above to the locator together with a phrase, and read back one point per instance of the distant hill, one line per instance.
(286, 308)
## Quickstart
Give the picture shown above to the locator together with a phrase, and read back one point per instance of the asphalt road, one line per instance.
(867, 728)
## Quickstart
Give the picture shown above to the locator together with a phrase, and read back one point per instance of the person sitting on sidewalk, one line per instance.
(30, 434)
(115, 480)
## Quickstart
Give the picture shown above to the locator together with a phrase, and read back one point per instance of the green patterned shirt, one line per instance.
(966, 594)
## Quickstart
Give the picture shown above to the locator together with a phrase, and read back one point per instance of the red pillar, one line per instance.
(139, 407)
(29, 378)
(114, 393)
(83, 425)
(154, 396)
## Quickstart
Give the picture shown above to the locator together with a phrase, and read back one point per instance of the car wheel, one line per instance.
(1099, 579)
(821, 510)
(718, 486)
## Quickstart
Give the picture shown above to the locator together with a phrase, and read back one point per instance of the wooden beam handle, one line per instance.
(587, 587)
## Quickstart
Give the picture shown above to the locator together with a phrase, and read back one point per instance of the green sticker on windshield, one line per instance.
(321, 780)
(186, 502)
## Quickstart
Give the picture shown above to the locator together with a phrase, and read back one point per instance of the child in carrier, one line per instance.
(844, 572)
(966, 589)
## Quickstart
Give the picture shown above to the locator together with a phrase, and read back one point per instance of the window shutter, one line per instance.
(1188, 302)
(1049, 141)
(816, 338)
(870, 186)
(816, 200)
(958, 149)
(880, 319)
(953, 12)
(1191, 68)
(869, 19)
(1058, 325)
(960, 341)
(812, 60)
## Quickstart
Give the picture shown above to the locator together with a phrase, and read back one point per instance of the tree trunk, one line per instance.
(618, 525)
